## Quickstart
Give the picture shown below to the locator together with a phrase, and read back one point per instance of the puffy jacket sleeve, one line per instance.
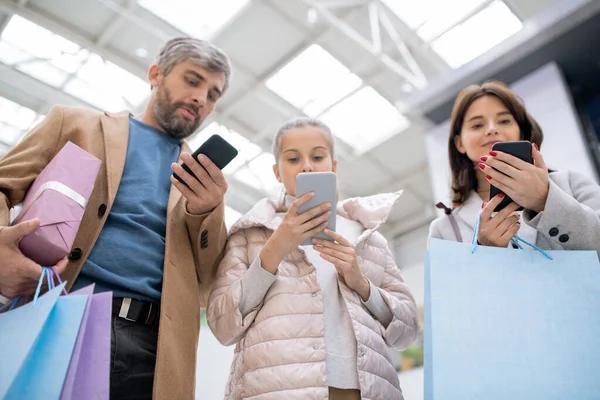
(223, 314)
(404, 328)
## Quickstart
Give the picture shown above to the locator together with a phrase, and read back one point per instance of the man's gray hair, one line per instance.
(197, 51)
(301, 122)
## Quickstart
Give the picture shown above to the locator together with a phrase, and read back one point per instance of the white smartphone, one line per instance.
(324, 185)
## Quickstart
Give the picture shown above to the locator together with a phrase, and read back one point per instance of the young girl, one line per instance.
(561, 209)
(311, 322)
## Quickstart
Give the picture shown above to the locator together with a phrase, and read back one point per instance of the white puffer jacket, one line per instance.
(280, 352)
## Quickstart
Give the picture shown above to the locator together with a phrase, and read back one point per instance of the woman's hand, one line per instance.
(292, 231)
(498, 231)
(342, 255)
(526, 184)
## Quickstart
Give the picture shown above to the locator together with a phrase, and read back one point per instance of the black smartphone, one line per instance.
(522, 150)
(217, 149)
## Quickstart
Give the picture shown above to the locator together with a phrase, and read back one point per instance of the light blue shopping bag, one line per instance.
(36, 344)
(511, 324)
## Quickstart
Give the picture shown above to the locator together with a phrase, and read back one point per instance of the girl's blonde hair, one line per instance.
(301, 122)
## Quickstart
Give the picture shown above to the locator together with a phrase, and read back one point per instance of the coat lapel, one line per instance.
(115, 128)
(175, 194)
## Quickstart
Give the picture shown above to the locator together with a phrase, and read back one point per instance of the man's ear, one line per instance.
(154, 75)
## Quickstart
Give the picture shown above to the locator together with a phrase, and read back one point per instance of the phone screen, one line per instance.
(217, 149)
(324, 185)
(521, 150)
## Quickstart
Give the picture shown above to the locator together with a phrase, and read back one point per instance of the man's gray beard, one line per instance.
(165, 113)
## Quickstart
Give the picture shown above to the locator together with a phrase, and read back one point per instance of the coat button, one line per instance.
(553, 232)
(563, 238)
(314, 294)
(204, 239)
(316, 347)
(101, 210)
(75, 254)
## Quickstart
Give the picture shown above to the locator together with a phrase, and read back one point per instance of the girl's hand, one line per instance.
(498, 231)
(293, 230)
(342, 255)
(526, 184)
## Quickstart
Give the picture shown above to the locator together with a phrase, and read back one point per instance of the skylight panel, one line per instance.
(477, 35)
(197, 18)
(61, 63)
(313, 81)
(15, 121)
(365, 119)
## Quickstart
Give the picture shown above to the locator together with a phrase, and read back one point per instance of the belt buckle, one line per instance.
(124, 311)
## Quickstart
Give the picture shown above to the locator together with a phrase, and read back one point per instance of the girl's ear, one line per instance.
(276, 172)
(459, 144)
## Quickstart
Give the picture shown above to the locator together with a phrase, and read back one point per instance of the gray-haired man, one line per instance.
(152, 241)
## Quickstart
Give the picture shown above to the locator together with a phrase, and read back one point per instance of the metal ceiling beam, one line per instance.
(115, 25)
(4, 20)
(260, 81)
(411, 73)
(26, 84)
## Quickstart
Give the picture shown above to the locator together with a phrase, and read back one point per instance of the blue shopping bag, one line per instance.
(427, 355)
(36, 344)
(511, 324)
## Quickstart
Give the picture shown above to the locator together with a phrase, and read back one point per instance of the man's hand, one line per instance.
(19, 275)
(205, 193)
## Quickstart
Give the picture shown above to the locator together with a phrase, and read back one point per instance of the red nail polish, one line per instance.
(493, 153)
(488, 177)
(535, 145)
(481, 166)
(483, 204)
(500, 195)
(483, 158)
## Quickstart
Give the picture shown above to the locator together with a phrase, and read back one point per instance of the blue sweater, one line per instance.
(129, 254)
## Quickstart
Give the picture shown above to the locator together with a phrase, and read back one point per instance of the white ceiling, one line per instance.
(261, 38)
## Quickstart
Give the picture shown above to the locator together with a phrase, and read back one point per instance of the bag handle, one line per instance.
(47, 272)
(515, 239)
(448, 212)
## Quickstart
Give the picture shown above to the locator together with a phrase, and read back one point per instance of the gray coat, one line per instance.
(570, 220)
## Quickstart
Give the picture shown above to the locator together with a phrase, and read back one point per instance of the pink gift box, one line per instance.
(58, 198)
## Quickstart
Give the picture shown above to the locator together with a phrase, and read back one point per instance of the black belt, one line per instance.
(140, 312)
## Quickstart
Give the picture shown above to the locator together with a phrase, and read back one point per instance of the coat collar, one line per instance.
(115, 128)
(469, 211)
(371, 212)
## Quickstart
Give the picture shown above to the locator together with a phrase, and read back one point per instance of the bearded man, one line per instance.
(151, 240)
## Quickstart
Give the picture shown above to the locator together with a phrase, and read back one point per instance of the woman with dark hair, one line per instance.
(561, 209)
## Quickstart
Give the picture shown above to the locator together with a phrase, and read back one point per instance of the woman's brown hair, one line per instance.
(464, 179)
